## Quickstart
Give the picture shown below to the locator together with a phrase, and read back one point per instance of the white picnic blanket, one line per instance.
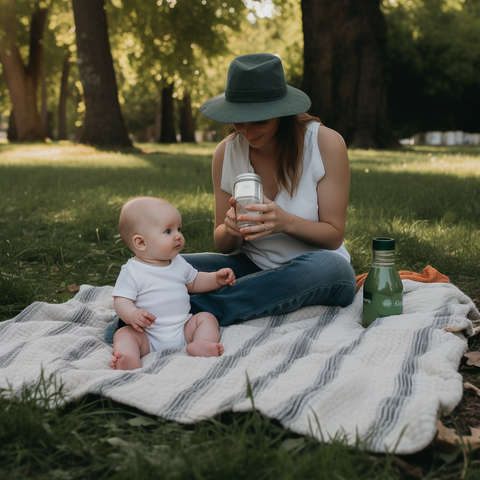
(317, 370)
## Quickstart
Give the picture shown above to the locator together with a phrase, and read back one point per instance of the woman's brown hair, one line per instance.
(289, 152)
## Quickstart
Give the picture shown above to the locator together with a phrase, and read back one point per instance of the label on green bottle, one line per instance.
(377, 305)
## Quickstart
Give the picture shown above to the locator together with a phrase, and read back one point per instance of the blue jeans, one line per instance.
(315, 278)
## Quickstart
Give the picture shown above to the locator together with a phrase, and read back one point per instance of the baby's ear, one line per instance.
(139, 242)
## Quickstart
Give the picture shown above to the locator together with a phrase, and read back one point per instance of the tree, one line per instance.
(167, 46)
(433, 65)
(62, 102)
(167, 131)
(22, 81)
(344, 69)
(103, 123)
(187, 122)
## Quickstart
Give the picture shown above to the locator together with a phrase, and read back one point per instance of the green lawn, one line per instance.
(58, 227)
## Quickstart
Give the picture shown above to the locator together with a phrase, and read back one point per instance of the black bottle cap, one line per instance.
(383, 243)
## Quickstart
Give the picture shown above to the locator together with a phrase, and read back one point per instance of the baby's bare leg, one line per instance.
(129, 345)
(201, 335)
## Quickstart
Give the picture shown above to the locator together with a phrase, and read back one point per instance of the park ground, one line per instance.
(58, 230)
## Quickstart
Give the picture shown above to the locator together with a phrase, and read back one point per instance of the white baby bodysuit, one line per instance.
(162, 292)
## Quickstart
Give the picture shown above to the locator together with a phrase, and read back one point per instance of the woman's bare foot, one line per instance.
(121, 361)
(204, 348)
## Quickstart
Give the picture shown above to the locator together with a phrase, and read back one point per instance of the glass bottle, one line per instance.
(247, 190)
(383, 289)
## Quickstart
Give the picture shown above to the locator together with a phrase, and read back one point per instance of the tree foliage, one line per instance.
(58, 39)
(168, 43)
(280, 33)
(433, 64)
(433, 56)
(344, 72)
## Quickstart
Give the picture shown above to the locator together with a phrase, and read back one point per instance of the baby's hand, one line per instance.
(141, 319)
(225, 276)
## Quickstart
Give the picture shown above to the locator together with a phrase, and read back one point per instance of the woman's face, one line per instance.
(258, 134)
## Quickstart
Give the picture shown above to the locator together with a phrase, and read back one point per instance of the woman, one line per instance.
(294, 255)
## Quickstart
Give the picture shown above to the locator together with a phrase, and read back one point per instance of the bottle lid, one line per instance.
(248, 176)
(383, 243)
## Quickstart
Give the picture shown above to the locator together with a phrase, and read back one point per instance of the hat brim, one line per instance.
(218, 109)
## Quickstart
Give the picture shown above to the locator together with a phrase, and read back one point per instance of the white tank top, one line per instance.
(277, 249)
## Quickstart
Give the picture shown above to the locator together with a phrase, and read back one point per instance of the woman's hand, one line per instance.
(230, 220)
(271, 219)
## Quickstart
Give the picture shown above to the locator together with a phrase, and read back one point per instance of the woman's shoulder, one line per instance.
(332, 149)
(222, 146)
(329, 138)
(219, 149)
(318, 133)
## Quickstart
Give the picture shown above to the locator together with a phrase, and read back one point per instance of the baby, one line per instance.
(152, 291)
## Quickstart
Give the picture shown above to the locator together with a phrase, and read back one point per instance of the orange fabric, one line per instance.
(429, 275)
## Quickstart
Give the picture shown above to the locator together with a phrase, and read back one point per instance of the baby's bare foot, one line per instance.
(120, 361)
(204, 348)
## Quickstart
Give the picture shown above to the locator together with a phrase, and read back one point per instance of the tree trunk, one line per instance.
(44, 105)
(344, 63)
(167, 130)
(22, 82)
(187, 124)
(12, 128)
(62, 101)
(103, 123)
(158, 120)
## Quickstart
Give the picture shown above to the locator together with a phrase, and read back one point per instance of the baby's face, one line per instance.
(163, 237)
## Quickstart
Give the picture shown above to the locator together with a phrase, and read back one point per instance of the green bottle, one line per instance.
(383, 289)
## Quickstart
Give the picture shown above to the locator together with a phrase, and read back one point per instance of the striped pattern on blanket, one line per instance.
(316, 370)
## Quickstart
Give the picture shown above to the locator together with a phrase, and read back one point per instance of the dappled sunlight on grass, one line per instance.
(444, 245)
(71, 155)
(433, 160)
(59, 227)
(62, 202)
(202, 148)
(430, 205)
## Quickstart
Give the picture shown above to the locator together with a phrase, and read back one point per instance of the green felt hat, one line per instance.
(256, 90)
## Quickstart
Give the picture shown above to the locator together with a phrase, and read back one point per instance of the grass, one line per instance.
(58, 227)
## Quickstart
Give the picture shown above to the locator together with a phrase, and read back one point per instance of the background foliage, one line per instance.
(433, 56)
(433, 53)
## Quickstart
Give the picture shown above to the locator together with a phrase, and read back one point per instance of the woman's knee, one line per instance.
(203, 262)
(328, 265)
(347, 295)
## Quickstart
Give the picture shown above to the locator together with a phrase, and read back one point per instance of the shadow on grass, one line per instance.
(427, 196)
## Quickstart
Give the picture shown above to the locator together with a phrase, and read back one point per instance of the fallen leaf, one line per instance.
(473, 358)
(413, 470)
(449, 217)
(61, 290)
(472, 387)
(454, 329)
(291, 444)
(141, 421)
(474, 438)
(73, 288)
(119, 442)
(447, 439)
